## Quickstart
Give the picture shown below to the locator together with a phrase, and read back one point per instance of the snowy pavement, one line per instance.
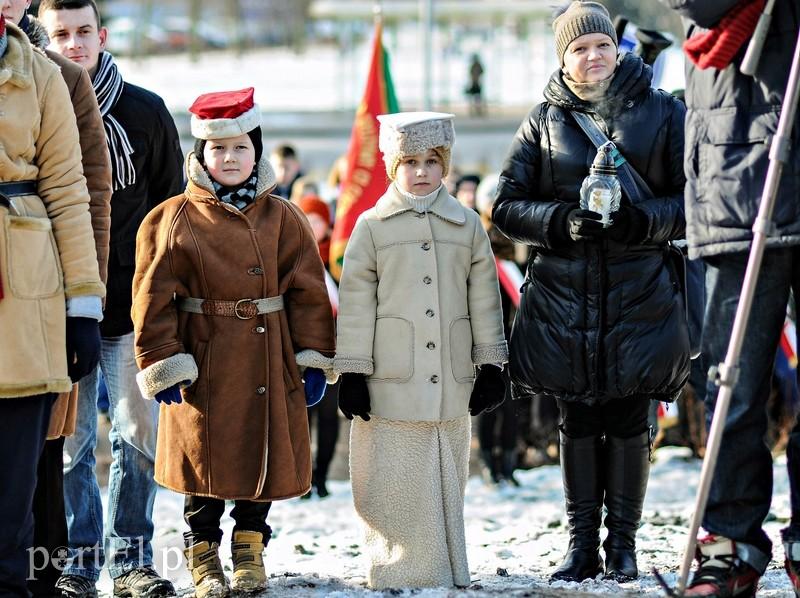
(515, 538)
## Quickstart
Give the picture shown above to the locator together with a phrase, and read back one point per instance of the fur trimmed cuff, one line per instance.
(165, 373)
(308, 358)
(353, 365)
(496, 353)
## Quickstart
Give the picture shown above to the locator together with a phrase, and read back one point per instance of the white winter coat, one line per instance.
(419, 307)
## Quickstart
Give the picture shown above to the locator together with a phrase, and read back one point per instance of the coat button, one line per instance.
(427, 280)
(430, 313)
(426, 246)
(434, 379)
(261, 390)
(431, 345)
(256, 271)
(259, 330)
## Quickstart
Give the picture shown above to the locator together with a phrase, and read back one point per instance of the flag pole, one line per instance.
(426, 23)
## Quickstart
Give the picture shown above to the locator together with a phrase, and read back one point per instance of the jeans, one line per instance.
(131, 488)
(23, 427)
(741, 488)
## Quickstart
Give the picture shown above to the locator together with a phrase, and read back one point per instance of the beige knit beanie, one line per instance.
(579, 19)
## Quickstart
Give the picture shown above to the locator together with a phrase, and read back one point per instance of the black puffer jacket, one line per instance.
(730, 122)
(598, 320)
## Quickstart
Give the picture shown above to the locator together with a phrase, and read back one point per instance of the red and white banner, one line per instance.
(510, 278)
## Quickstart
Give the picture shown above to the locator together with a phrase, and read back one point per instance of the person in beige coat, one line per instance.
(419, 309)
(50, 287)
(50, 531)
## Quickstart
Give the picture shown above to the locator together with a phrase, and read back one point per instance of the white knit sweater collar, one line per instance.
(419, 203)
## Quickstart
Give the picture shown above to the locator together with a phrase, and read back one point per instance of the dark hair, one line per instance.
(284, 151)
(45, 5)
(468, 178)
(255, 137)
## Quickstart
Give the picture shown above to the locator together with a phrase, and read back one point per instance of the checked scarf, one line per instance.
(239, 196)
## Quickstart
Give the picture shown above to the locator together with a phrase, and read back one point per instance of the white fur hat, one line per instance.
(409, 133)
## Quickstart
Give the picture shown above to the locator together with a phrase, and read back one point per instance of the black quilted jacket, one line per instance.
(598, 320)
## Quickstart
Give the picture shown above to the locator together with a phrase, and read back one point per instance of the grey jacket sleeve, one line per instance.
(483, 297)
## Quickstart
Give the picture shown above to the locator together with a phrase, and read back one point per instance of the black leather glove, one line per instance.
(354, 396)
(628, 225)
(489, 390)
(584, 225)
(83, 346)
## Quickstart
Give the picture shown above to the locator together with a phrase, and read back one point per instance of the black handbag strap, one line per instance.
(635, 187)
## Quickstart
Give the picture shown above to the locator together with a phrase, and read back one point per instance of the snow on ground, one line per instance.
(515, 538)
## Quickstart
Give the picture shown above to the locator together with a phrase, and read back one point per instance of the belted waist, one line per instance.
(244, 309)
(16, 189)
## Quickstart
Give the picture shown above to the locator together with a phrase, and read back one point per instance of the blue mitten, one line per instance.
(314, 379)
(170, 395)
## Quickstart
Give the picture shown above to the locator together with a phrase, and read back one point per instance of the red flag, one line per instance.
(510, 279)
(365, 178)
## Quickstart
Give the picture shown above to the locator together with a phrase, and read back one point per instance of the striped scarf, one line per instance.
(108, 84)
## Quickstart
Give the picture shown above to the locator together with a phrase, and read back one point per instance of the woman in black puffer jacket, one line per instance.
(601, 326)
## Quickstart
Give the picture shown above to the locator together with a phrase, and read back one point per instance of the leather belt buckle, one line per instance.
(251, 313)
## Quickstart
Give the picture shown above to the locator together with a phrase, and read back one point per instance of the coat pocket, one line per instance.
(33, 266)
(288, 380)
(461, 350)
(393, 349)
(200, 354)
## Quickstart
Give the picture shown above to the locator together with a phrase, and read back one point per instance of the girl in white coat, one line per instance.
(419, 309)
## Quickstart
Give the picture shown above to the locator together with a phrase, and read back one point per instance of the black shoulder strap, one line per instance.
(636, 188)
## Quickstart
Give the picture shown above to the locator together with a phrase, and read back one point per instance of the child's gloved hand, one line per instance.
(354, 396)
(170, 395)
(489, 390)
(314, 385)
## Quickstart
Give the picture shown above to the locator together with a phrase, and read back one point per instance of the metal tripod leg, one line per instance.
(725, 374)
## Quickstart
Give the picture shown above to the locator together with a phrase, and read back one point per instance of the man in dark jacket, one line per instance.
(729, 127)
(146, 169)
(50, 532)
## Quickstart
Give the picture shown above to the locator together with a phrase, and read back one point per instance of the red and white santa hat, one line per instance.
(224, 114)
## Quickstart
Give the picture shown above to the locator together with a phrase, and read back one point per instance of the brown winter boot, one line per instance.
(203, 561)
(248, 563)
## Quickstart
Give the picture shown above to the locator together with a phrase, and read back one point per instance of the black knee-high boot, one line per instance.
(583, 493)
(627, 470)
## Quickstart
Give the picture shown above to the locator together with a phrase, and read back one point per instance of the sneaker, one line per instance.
(75, 586)
(791, 548)
(793, 570)
(720, 572)
(247, 550)
(207, 575)
(142, 582)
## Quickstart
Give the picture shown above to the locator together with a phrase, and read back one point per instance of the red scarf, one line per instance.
(716, 47)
